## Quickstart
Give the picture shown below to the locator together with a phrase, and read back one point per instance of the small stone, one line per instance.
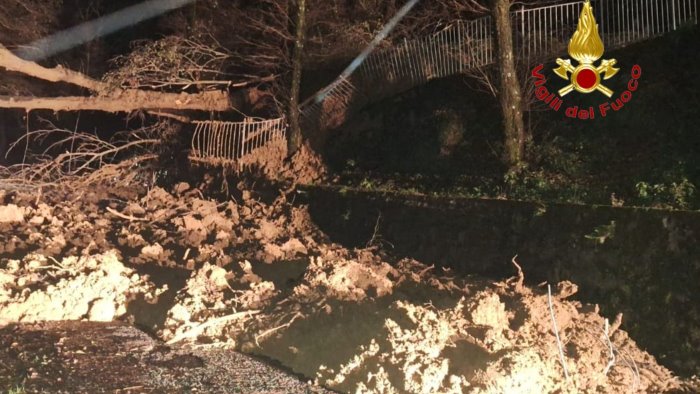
(566, 289)
(102, 310)
(11, 214)
(153, 251)
(37, 220)
(182, 187)
(134, 209)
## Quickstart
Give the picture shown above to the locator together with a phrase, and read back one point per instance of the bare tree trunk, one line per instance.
(295, 135)
(10, 62)
(509, 92)
(126, 101)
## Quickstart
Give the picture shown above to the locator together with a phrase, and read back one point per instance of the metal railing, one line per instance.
(539, 33)
(544, 31)
(226, 143)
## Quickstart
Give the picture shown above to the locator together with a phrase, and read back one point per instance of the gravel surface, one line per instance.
(85, 357)
(225, 371)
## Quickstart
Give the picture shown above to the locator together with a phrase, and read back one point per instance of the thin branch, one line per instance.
(123, 216)
(271, 330)
(521, 277)
(195, 330)
(556, 332)
(611, 361)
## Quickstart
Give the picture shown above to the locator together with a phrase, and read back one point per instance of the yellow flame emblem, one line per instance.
(586, 47)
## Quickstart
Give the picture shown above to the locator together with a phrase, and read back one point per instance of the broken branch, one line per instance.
(196, 330)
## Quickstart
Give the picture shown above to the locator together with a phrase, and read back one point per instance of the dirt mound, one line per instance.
(96, 288)
(180, 229)
(305, 167)
(357, 324)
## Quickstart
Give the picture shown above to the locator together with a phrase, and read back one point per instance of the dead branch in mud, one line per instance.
(556, 332)
(273, 329)
(123, 216)
(518, 288)
(46, 173)
(179, 118)
(198, 329)
(611, 361)
(375, 233)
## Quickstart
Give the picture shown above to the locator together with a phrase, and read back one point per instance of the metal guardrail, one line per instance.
(539, 33)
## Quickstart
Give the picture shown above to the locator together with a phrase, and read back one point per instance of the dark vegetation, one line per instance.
(444, 139)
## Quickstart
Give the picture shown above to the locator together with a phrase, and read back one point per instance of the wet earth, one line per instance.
(92, 357)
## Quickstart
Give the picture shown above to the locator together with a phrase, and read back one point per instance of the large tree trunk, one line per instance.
(125, 101)
(295, 135)
(509, 92)
(10, 62)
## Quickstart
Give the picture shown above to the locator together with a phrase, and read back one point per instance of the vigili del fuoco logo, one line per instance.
(586, 47)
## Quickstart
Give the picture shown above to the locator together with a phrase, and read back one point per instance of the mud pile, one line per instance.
(179, 229)
(264, 280)
(97, 288)
(357, 324)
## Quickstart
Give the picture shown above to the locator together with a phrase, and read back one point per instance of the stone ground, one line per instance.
(114, 357)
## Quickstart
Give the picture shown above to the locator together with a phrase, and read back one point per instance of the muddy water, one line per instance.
(641, 262)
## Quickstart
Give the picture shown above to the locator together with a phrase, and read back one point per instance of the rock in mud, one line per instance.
(93, 287)
(11, 214)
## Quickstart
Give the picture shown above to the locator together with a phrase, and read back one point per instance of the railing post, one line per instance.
(522, 26)
(673, 12)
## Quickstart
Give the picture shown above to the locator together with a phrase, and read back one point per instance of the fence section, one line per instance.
(545, 31)
(217, 142)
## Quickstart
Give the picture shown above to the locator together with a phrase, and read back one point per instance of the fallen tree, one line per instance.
(10, 62)
(124, 101)
(107, 97)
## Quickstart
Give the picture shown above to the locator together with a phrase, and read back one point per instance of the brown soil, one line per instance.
(305, 167)
(259, 277)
